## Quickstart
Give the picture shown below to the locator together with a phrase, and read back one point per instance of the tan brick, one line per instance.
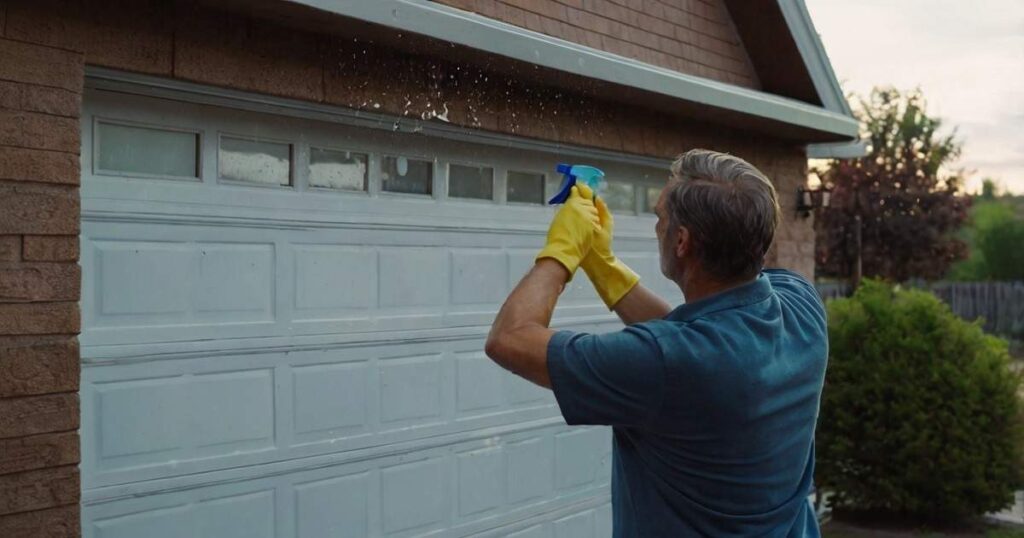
(38, 209)
(39, 318)
(39, 489)
(546, 8)
(31, 365)
(53, 23)
(38, 131)
(32, 415)
(23, 164)
(61, 522)
(10, 248)
(38, 282)
(49, 248)
(34, 64)
(607, 9)
(247, 54)
(465, 5)
(136, 35)
(43, 99)
(38, 451)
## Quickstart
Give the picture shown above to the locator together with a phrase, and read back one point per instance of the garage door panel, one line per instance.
(575, 526)
(133, 420)
(330, 400)
(336, 507)
(231, 410)
(413, 277)
(142, 281)
(415, 496)
(176, 416)
(150, 422)
(467, 488)
(235, 282)
(249, 515)
(410, 390)
(160, 523)
(334, 281)
(479, 276)
(479, 383)
(221, 283)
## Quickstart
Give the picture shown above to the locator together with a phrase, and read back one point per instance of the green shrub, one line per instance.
(920, 415)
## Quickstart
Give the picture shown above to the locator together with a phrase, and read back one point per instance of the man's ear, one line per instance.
(682, 242)
(682, 245)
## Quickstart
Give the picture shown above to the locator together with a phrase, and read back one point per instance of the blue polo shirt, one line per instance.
(712, 407)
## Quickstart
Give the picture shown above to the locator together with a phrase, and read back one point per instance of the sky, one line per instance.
(967, 56)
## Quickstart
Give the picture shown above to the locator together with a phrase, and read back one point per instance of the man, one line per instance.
(713, 403)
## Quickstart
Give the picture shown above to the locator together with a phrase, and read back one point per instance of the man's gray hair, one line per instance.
(729, 208)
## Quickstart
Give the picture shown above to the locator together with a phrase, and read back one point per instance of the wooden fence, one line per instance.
(1001, 304)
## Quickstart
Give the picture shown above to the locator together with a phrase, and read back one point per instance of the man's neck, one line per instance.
(697, 285)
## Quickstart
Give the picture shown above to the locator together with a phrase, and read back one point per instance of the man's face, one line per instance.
(666, 237)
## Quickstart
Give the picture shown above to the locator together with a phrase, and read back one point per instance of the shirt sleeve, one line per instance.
(615, 379)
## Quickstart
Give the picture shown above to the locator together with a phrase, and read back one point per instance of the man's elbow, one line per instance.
(495, 348)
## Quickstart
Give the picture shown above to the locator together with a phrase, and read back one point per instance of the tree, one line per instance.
(995, 237)
(901, 198)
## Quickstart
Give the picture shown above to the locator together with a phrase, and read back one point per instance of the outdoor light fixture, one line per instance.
(807, 200)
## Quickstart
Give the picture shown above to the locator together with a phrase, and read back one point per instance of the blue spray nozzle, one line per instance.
(571, 173)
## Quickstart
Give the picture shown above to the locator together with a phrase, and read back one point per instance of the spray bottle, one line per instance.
(571, 173)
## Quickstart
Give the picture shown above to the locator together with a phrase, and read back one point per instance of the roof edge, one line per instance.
(503, 39)
(838, 150)
(812, 50)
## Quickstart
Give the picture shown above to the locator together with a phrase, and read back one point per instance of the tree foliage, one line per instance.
(903, 191)
(920, 415)
(995, 235)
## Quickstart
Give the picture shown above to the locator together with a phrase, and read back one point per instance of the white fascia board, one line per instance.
(814, 56)
(838, 150)
(824, 78)
(496, 37)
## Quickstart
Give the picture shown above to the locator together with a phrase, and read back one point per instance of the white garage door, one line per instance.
(284, 316)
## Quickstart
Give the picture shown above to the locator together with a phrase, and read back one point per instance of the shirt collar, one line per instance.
(749, 293)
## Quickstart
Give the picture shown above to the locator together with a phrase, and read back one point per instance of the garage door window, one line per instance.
(466, 181)
(341, 170)
(405, 175)
(619, 197)
(146, 151)
(525, 187)
(255, 161)
(651, 198)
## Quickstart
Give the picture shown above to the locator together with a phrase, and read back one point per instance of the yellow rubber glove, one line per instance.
(572, 231)
(611, 278)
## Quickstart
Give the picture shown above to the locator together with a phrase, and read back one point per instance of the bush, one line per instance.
(920, 416)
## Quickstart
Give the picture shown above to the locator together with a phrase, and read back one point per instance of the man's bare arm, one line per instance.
(640, 304)
(519, 337)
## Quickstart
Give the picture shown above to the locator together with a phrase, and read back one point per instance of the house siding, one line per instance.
(44, 47)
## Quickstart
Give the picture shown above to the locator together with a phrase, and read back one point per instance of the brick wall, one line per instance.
(690, 36)
(794, 240)
(40, 98)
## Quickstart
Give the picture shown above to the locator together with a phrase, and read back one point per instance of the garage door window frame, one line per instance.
(98, 141)
(292, 158)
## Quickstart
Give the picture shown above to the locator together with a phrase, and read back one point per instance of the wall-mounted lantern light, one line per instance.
(807, 200)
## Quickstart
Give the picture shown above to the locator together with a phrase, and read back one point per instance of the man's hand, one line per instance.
(572, 231)
(612, 279)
